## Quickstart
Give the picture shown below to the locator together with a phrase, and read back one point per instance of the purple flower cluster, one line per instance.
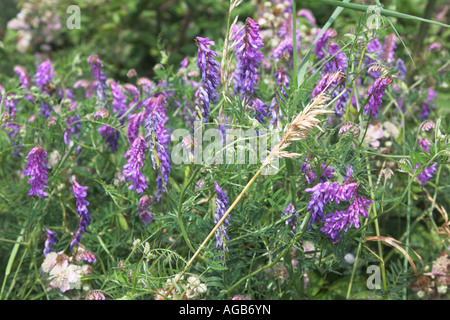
(427, 173)
(81, 207)
(292, 214)
(248, 57)
(376, 93)
(428, 103)
(328, 192)
(209, 69)
(132, 169)
(311, 176)
(37, 171)
(285, 48)
(261, 110)
(144, 209)
(321, 44)
(99, 77)
(222, 204)
(158, 140)
(135, 121)
(338, 62)
(25, 80)
(42, 78)
(50, 240)
(119, 102)
(111, 135)
(342, 220)
(389, 48)
(425, 144)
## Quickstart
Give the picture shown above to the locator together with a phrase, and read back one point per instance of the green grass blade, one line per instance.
(384, 12)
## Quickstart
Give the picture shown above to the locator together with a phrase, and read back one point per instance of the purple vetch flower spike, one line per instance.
(389, 48)
(321, 43)
(292, 214)
(49, 241)
(111, 135)
(249, 57)
(435, 46)
(85, 255)
(308, 15)
(401, 69)
(342, 220)
(328, 81)
(209, 69)
(428, 125)
(157, 143)
(135, 121)
(96, 296)
(37, 171)
(80, 194)
(376, 93)
(427, 173)
(100, 78)
(144, 209)
(261, 110)
(119, 102)
(282, 82)
(222, 204)
(428, 103)
(42, 78)
(44, 74)
(338, 62)
(425, 145)
(132, 170)
(25, 80)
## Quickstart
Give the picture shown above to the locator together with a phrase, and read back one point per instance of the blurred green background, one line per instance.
(132, 34)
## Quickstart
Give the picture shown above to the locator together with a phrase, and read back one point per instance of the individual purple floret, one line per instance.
(222, 204)
(209, 69)
(292, 214)
(376, 93)
(144, 209)
(37, 171)
(81, 208)
(427, 173)
(99, 77)
(49, 241)
(248, 57)
(132, 170)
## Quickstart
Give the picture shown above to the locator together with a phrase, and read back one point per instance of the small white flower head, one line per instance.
(349, 258)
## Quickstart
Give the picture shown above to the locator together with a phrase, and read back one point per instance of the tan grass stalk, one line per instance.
(298, 129)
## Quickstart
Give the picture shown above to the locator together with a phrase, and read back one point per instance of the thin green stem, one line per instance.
(180, 208)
